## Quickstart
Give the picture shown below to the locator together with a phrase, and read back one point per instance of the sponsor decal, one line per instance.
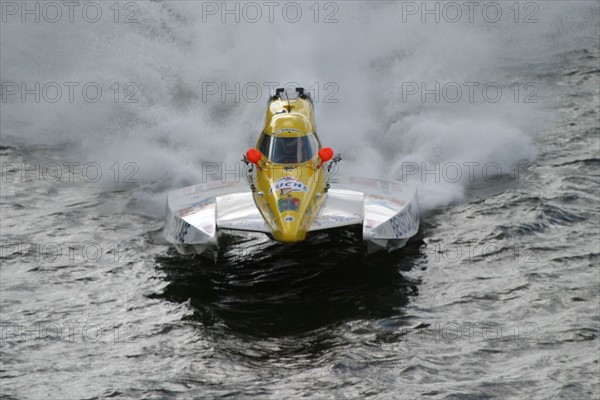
(336, 220)
(289, 218)
(193, 189)
(405, 222)
(258, 225)
(385, 199)
(177, 228)
(387, 186)
(192, 208)
(182, 231)
(380, 203)
(363, 181)
(288, 204)
(287, 130)
(288, 184)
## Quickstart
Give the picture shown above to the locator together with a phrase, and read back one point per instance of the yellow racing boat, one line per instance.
(290, 192)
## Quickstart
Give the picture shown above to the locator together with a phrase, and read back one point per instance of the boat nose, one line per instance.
(291, 230)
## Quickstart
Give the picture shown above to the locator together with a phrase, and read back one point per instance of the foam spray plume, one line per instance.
(370, 70)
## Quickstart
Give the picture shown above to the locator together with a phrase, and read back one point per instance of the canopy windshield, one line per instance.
(289, 150)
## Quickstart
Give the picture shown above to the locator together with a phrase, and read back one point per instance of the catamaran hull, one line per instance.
(387, 210)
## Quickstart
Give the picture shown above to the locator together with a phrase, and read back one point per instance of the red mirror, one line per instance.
(253, 155)
(326, 154)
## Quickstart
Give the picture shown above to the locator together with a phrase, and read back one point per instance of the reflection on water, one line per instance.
(265, 288)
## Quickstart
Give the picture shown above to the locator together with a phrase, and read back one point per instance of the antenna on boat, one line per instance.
(287, 96)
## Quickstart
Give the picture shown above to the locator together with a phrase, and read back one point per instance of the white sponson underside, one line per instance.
(387, 210)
